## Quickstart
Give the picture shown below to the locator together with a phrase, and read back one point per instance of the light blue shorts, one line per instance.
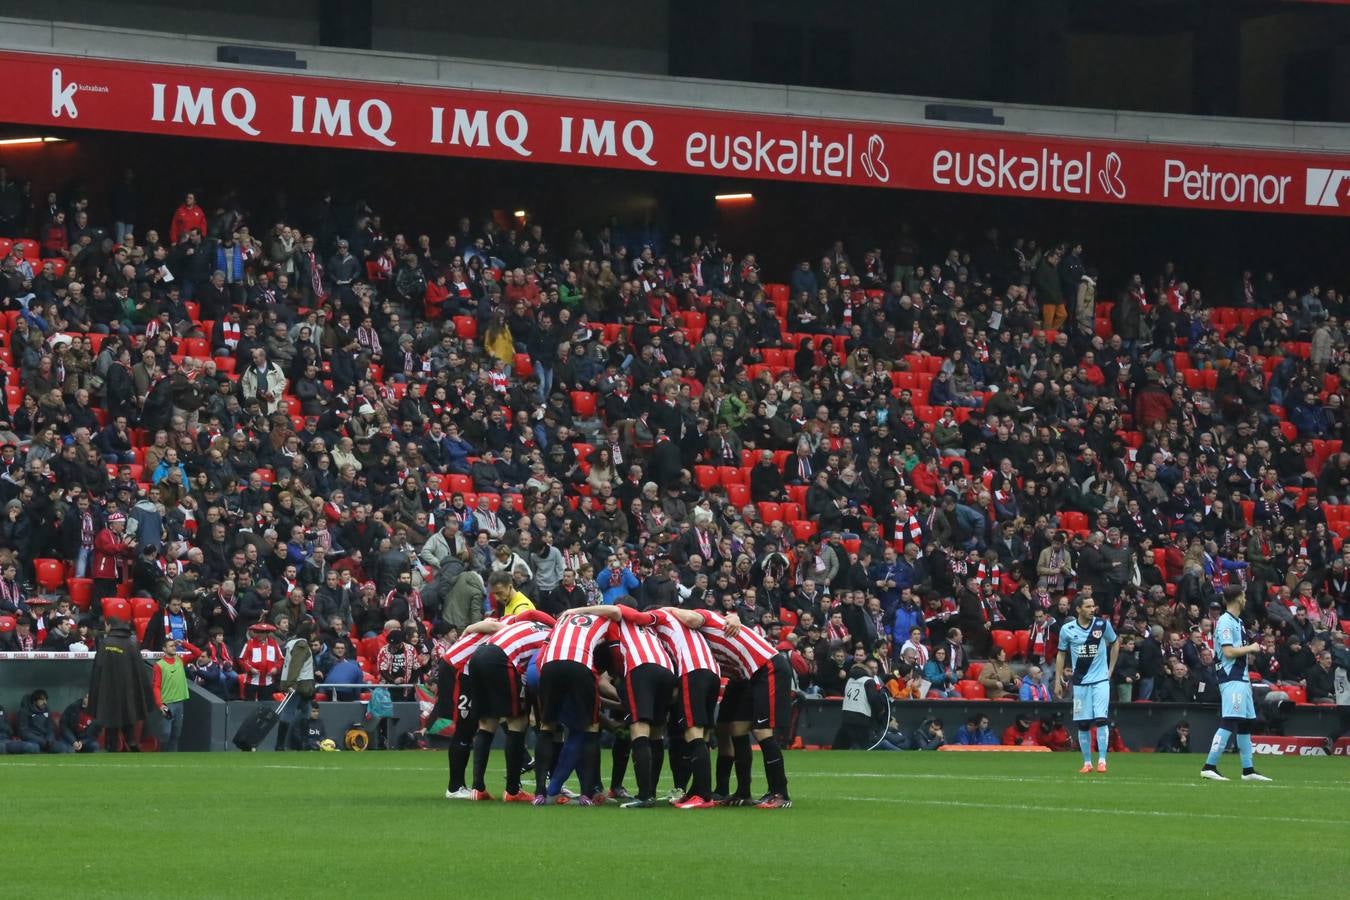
(1235, 700)
(1090, 701)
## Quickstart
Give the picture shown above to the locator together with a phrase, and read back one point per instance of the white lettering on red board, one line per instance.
(510, 127)
(198, 107)
(1209, 184)
(596, 138)
(373, 117)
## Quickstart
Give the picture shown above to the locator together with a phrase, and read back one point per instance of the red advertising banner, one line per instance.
(49, 90)
(1273, 745)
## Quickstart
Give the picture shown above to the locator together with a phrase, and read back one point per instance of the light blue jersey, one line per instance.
(1087, 648)
(1228, 633)
(1235, 689)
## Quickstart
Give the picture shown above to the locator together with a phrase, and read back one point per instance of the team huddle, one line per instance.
(660, 670)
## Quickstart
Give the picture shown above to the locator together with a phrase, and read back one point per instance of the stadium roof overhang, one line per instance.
(681, 126)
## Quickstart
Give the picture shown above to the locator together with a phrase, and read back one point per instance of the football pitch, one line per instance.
(862, 824)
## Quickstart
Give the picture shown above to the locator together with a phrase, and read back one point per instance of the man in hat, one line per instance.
(113, 551)
(260, 661)
(119, 688)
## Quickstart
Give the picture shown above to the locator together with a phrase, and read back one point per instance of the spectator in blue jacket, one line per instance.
(908, 616)
(976, 732)
(885, 578)
(616, 581)
(457, 450)
(936, 673)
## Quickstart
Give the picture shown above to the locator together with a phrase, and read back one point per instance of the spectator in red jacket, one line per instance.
(113, 550)
(1050, 732)
(187, 217)
(1019, 733)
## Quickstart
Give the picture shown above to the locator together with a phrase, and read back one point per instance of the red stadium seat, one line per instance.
(81, 592)
(524, 367)
(1070, 520)
(1297, 692)
(466, 327)
(770, 512)
(705, 476)
(738, 494)
(970, 690)
(804, 528)
(51, 574)
(1007, 640)
(583, 404)
(460, 483)
(28, 247)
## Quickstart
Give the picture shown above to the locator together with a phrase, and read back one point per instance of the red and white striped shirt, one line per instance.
(457, 657)
(741, 656)
(575, 640)
(521, 639)
(639, 641)
(688, 649)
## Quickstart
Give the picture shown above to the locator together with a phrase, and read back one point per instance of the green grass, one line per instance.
(863, 824)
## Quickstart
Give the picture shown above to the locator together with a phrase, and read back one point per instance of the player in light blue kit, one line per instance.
(1083, 643)
(1237, 713)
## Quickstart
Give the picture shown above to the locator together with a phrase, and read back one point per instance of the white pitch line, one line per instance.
(1067, 779)
(1096, 811)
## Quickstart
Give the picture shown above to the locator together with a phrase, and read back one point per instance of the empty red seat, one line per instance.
(1007, 640)
(705, 476)
(1071, 520)
(852, 545)
(51, 574)
(116, 608)
(770, 512)
(804, 528)
(729, 475)
(460, 483)
(466, 327)
(81, 592)
(1297, 692)
(583, 404)
(738, 494)
(970, 690)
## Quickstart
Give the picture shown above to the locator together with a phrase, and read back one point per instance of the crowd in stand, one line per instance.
(913, 461)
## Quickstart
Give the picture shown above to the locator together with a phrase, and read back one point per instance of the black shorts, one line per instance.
(454, 701)
(649, 691)
(697, 706)
(497, 689)
(771, 690)
(737, 704)
(568, 694)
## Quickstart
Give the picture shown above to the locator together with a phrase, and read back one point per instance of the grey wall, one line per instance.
(615, 35)
(295, 21)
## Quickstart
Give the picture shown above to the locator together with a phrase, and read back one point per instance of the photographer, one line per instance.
(863, 710)
(297, 674)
